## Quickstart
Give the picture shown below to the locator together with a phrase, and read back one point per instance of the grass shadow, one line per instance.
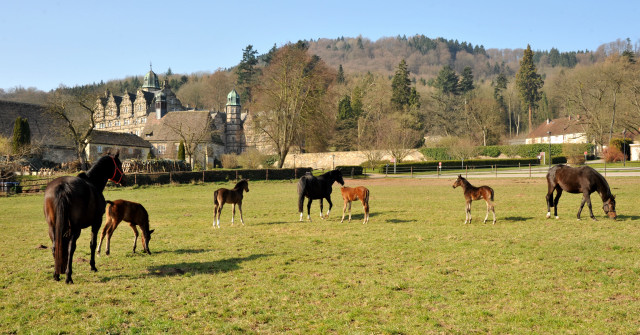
(181, 251)
(400, 221)
(220, 266)
(517, 218)
(628, 217)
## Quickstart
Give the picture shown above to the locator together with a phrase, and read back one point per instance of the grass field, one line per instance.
(413, 269)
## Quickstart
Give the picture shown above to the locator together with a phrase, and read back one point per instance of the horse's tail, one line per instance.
(62, 230)
(302, 185)
(215, 198)
(366, 196)
(491, 193)
(110, 208)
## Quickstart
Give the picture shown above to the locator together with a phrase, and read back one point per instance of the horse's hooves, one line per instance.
(594, 219)
(56, 277)
(69, 281)
(557, 218)
(94, 269)
(548, 215)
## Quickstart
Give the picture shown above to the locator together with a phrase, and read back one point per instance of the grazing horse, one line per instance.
(350, 194)
(234, 196)
(583, 179)
(476, 193)
(74, 203)
(132, 212)
(317, 188)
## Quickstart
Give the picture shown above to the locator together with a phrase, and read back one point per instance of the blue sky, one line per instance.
(45, 43)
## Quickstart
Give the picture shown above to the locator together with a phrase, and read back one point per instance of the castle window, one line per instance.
(126, 122)
(117, 123)
(99, 149)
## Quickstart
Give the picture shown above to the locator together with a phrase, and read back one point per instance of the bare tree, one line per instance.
(292, 89)
(196, 131)
(76, 109)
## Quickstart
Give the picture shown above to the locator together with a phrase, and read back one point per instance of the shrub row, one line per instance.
(348, 170)
(453, 164)
(185, 177)
(521, 150)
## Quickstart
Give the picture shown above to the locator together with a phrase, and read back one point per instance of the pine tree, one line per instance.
(340, 75)
(247, 72)
(401, 87)
(21, 134)
(447, 81)
(344, 108)
(466, 80)
(529, 83)
(181, 155)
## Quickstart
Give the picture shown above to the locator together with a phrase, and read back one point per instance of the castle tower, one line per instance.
(161, 104)
(234, 132)
(150, 83)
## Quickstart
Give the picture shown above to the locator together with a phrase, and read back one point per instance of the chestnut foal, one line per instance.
(234, 196)
(476, 193)
(350, 194)
(132, 212)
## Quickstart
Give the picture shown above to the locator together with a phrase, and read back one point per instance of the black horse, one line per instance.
(73, 203)
(317, 188)
(583, 180)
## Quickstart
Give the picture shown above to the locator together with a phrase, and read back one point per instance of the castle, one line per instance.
(155, 114)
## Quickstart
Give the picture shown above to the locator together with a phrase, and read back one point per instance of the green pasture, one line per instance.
(415, 268)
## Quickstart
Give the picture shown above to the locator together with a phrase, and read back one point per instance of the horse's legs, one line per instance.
(493, 210)
(135, 238)
(219, 213)
(95, 229)
(588, 196)
(365, 205)
(487, 215)
(72, 249)
(104, 232)
(468, 212)
(321, 206)
(112, 228)
(233, 212)
(344, 209)
(215, 213)
(349, 211)
(309, 209)
(240, 209)
(584, 200)
(331, 206)
(555, 202)
(549, 199)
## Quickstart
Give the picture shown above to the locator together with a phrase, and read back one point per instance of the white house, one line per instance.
(557, 131)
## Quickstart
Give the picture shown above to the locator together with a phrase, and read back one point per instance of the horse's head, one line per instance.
(458, 181)
(337, 175)
(118, 175)
(609, 207)
(245, 185)
(147, 237)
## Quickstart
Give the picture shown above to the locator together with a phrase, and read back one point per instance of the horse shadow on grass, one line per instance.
(219, 266)
(183, 251)
(628, 217)
(517, 218)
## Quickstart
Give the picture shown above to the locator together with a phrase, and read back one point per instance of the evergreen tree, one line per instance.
(400, 87)
(466, 80)
(447, 81)
(340, 75)
(247, 72)
(21, 134)
(181, 154)
(529, 83)
(344, 108)
(169, 72)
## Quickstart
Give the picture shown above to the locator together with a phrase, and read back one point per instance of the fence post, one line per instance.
(496, 170)
(295, 173)
(412, 172)
(267, 177)
(529, 170)
(236, 175)
(170, 178)
(135, 179)
(352, 172)
(466, 171)
(203, 176)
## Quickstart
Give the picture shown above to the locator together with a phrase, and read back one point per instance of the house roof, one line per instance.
(561, 126)
(118, 139)
(45, 129)
(194, 125)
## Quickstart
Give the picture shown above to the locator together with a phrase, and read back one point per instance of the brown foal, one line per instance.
(132, 212)
(476, 193)
(350, 194)
(233, 196)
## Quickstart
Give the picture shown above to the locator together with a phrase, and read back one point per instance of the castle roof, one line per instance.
(192, 124)
(233, 99)
(45, 129)
(151, 81)
(561, 126)
(118, 139)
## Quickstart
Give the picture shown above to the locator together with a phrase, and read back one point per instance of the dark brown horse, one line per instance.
(74, 203)
(350, 194)
(476, 193)
(234, 196)
(317, 188)
(132, 212)
(583, 179)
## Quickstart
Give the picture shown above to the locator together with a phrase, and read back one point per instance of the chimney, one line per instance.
(548, 121)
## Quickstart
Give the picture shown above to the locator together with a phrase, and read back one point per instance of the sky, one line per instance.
(48, 43)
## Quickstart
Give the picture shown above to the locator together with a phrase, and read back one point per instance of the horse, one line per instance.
(317, 188)
(476, 193)
(350, 194)
(234, 196)
(74, 203)
(132, 212)
(583, 179)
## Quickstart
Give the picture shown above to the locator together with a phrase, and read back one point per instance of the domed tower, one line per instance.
(234, 132)
(161, 104)
(151, 82)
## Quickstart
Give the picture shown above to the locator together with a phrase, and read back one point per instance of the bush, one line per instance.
(251, 159)
(621, 145)
(229, 161)
(612, 154)
(574, 152)
(491, 151)
(435, 153)
(347, 170)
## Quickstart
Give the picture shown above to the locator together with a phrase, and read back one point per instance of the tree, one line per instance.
(247, 73)
(447, 81)
(344, 108)
(466, 80)
(181, 155)
(292, 93)
(195, 133)
(340, 77)
(485, 120)
(76, 108)
(499, 86)
(529, 83)
(21, 135)
(400, 87)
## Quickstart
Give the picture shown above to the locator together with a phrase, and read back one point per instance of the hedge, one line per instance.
(453, 164)
(186, 177)
(348, 170)
(522, 150)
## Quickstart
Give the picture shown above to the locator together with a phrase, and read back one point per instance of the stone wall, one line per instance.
(329, 160)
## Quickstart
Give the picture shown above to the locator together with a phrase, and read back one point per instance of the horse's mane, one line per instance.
(240, 183)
